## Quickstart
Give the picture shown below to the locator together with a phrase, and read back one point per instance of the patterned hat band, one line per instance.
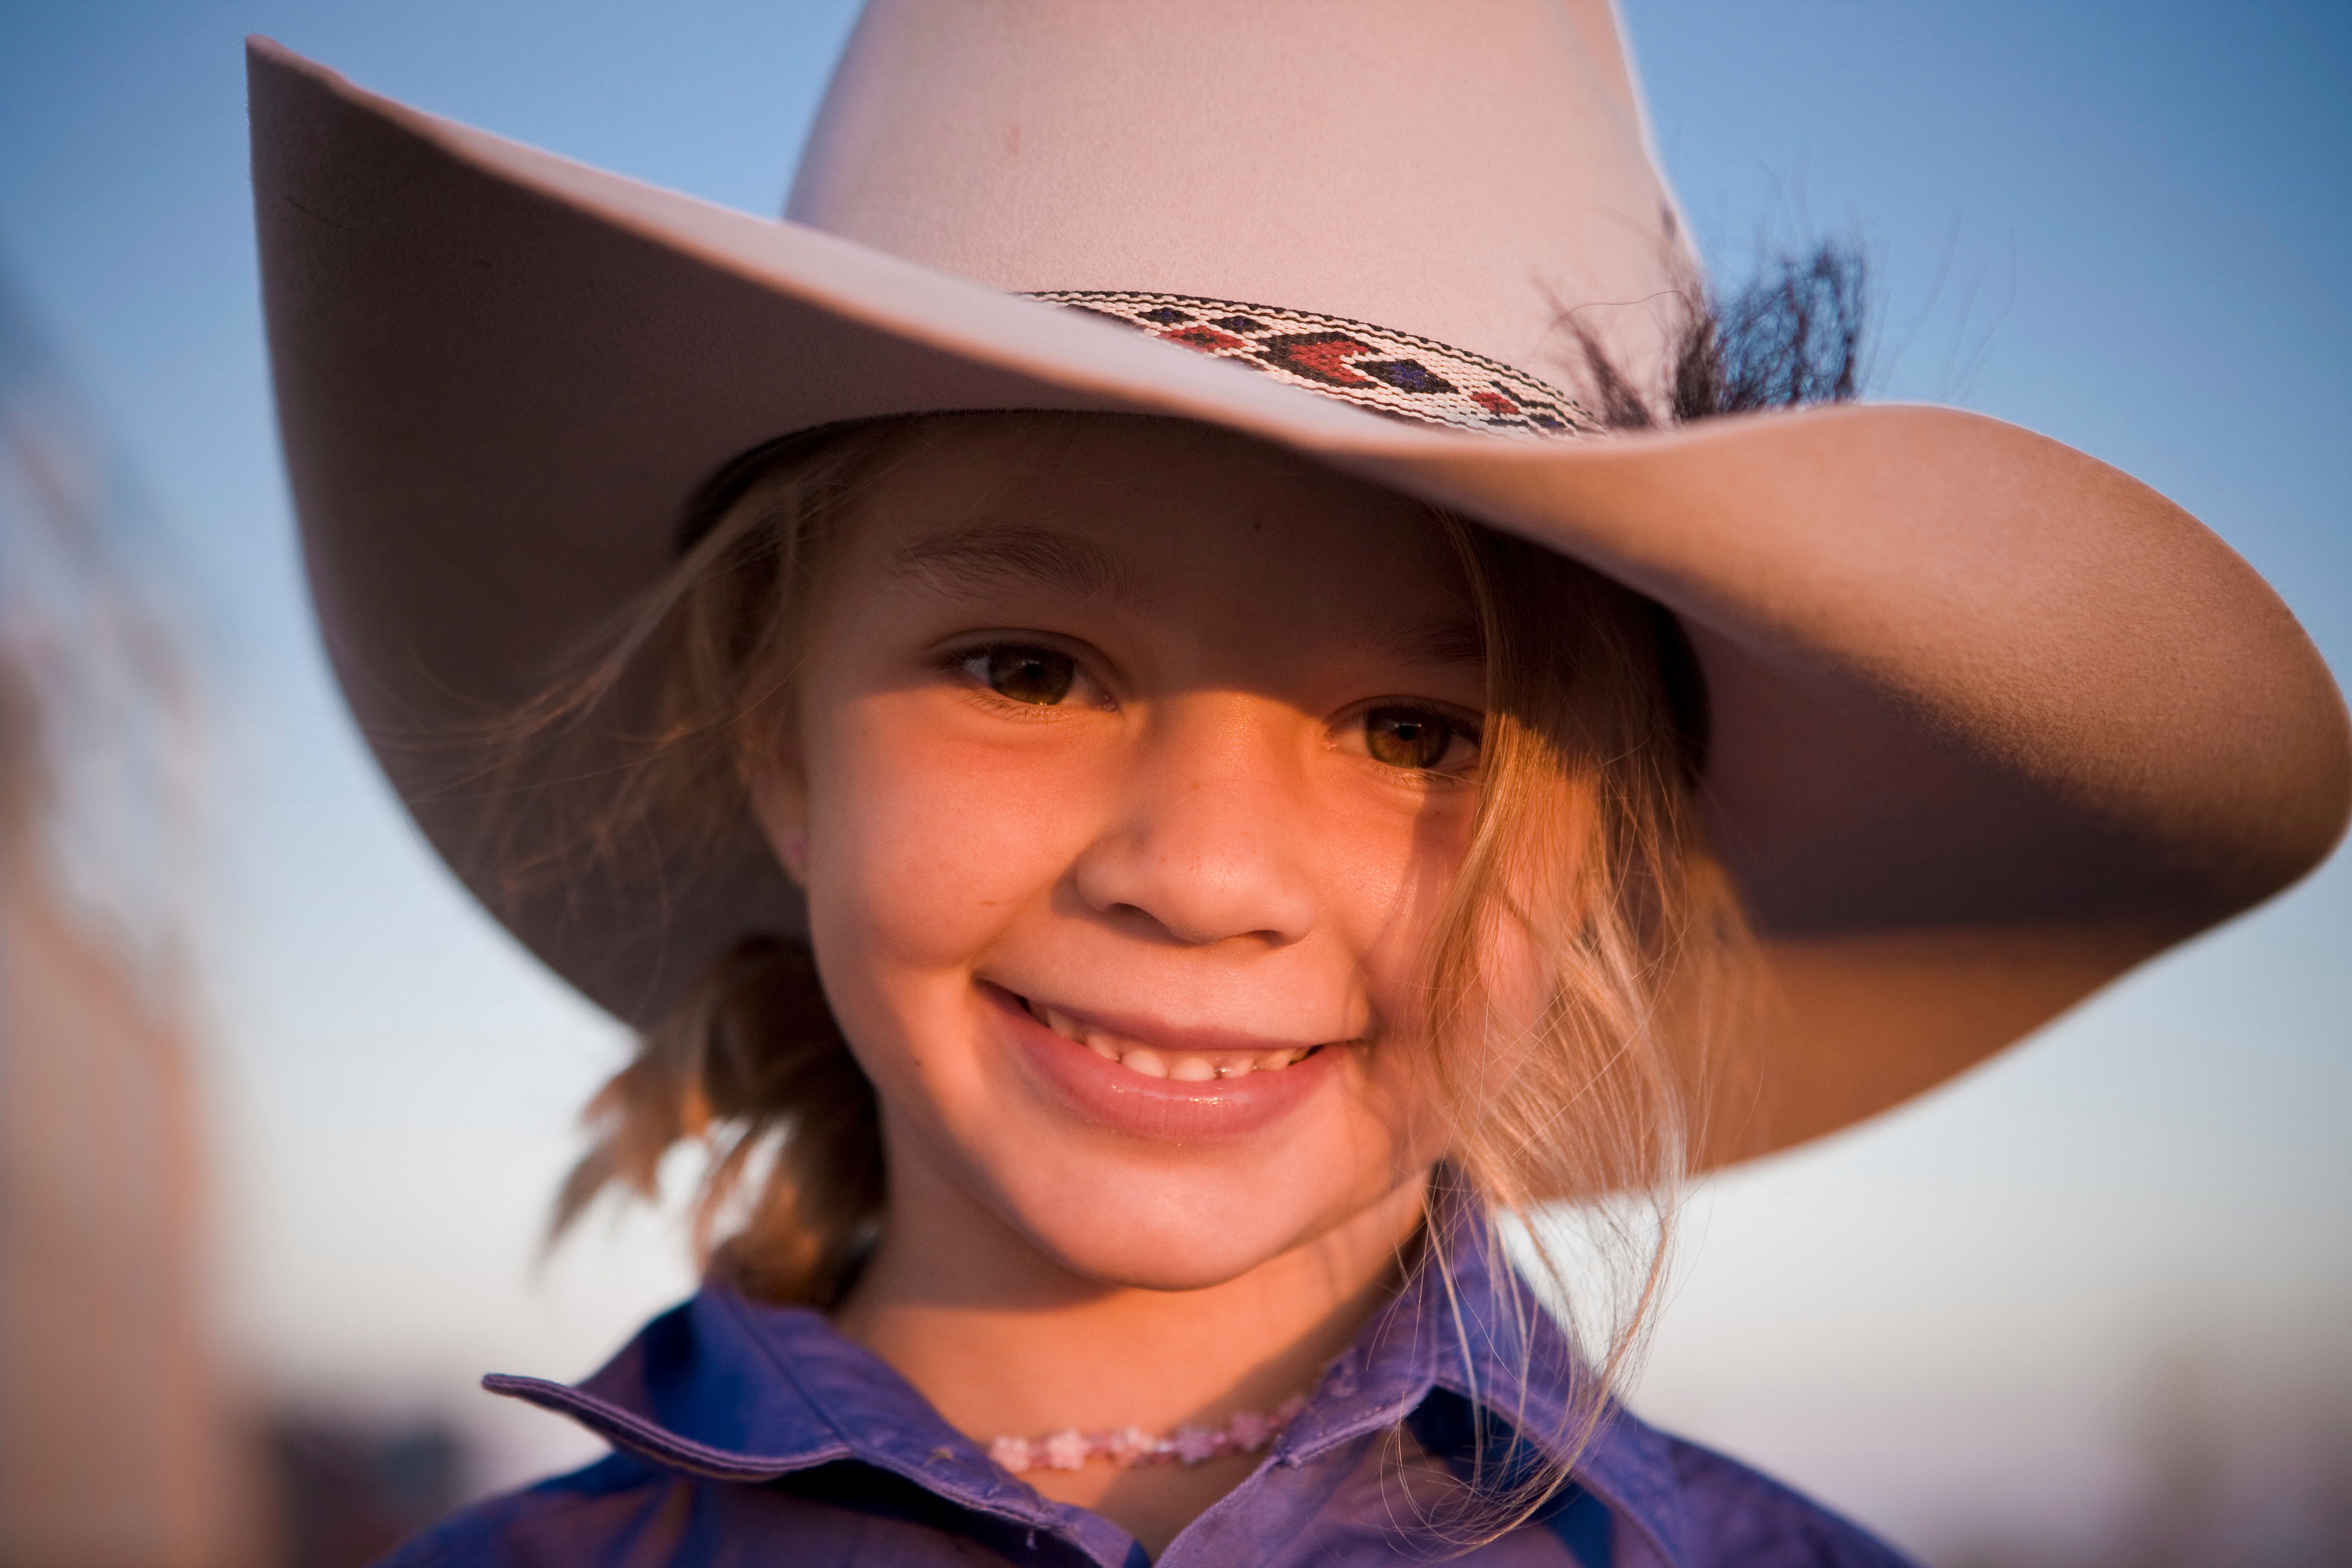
(1390, 373)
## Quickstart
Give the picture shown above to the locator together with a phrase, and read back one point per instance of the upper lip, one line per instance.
(1162, 1036)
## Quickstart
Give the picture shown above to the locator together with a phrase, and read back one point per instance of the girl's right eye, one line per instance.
(1039, 676)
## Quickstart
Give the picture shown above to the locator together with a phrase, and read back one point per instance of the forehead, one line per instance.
(1157, 516)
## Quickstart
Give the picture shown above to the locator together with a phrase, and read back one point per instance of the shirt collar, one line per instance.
(724, 1388)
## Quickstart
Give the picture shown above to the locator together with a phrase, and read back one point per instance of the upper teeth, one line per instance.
(1186, 1067)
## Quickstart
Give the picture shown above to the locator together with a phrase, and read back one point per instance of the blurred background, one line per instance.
(280, 1111)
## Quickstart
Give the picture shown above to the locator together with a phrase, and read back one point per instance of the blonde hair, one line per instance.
(1586, 956)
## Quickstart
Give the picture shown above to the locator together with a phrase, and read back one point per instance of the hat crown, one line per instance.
(1465, 171)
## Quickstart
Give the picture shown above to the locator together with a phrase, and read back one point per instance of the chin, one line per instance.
(1189, 1228)
(1157, 1262)
(1155, 1246)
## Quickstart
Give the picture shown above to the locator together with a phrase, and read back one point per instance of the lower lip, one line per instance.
(1164, 1108)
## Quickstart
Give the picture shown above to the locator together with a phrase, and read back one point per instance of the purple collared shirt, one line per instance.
(746, 1433)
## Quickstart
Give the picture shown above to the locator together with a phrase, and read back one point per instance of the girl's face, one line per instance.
(1131, 763)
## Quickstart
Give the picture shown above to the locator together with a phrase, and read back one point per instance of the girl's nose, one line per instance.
(1205, 847)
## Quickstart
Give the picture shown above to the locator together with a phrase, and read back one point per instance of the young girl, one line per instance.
(1163, 760)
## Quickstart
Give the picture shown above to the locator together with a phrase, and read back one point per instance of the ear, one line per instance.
(777, 790)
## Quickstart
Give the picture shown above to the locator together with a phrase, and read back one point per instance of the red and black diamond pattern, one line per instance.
(1391, 373)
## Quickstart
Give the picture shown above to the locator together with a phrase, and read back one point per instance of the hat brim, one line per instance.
(1991, 721)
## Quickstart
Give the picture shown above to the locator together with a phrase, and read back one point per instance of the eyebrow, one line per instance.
(1014, 555)
(1020, 555)
(1443, 643)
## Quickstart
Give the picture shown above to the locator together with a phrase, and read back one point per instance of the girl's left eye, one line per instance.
(1419, 739)
(1039, 676)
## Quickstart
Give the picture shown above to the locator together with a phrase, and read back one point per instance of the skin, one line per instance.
(1204, 838)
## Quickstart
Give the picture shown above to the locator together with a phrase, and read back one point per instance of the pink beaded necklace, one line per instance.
(1069, 1449)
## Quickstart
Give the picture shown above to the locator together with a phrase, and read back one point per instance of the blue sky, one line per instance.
(2127, 225)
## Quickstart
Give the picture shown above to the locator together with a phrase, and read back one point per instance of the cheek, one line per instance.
(1389, 884)
(923, 849)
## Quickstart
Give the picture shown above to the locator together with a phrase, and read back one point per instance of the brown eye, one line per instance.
(1409, 737)
(1036, 675)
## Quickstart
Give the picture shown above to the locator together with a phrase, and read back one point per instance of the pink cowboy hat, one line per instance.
(1991, 722)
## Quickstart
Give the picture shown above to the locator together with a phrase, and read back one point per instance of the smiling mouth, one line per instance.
(1153, 1061)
